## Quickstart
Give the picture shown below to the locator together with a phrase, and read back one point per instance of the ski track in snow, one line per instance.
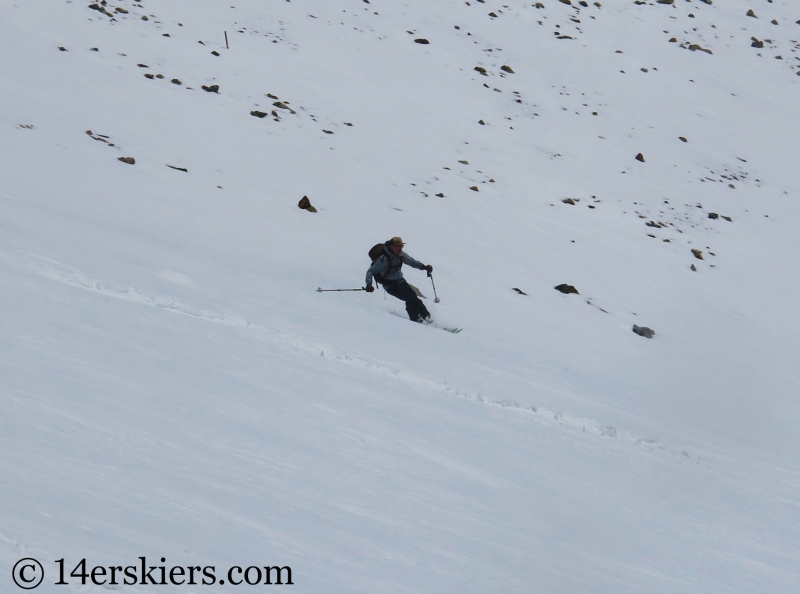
(55, 271)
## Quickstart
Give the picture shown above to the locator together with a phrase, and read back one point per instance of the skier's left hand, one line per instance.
(429, 268)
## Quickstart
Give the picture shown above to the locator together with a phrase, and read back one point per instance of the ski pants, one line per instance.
(414, 306)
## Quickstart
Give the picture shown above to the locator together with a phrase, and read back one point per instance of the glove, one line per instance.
(429, 268)
(369, 288)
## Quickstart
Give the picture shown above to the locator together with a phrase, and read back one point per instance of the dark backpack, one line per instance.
(376, 251)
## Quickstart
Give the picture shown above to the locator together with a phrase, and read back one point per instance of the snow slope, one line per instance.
(173, 386)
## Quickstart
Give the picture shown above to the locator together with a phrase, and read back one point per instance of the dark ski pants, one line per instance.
(414, 305)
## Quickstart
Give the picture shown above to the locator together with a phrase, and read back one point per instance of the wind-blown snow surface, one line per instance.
(172, 385)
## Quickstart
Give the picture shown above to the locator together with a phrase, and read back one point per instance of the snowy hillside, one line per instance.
(172, 384)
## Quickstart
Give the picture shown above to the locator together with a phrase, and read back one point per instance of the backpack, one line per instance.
(375, 251)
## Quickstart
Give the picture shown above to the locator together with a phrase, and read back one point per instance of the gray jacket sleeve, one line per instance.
(378, 267)
(411, 261)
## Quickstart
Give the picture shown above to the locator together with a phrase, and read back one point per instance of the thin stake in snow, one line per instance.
(226, 41)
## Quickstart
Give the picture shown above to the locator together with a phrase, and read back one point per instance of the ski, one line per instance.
(431, 324)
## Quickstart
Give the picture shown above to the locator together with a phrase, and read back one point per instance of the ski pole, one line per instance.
(321, 290)
(435, 296)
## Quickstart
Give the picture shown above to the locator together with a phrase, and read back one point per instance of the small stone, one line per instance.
(211, 89)
(713, 215)
(440, 195)
(142, 65)
(215, 53)
(729, 219)
(62, 49)
(144, 17)
(520, 291)
(327, 132)
(474, 188)
(422, 41)
(566, 289)
(121, 10)
(683, 139)
(150, 76)
(693, 268)
(481, 122)
(305, 204)
(507, 68)
(757, 43)
(128, 160)
(482, 70)
(644, 331)
(258, 114)
(697, 254)
(159, 76)
(175, 81)
(750, 13)
(673, 40)
(464, 162)
(568, 201)
(640, 157)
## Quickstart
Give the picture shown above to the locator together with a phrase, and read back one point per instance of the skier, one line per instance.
(386, 270)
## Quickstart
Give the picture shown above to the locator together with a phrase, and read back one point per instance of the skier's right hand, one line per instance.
(369, 288)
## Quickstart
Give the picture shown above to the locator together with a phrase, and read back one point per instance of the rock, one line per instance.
(665, 1)
(693, 268)
(215, 53)
(482, 70)
(566, 289)
(143, 66)
(159, 76)
(713, 215)
(644, 331)
(474, 188)
(683, 139)
(568, 201)
(481, 122)
(327, 132)
(150, 76)
(493, 15)
(697, 254)
(422, 41)
(211, 89)
(175, 81)
(62, 49)
(282, 105)
(144, 17)
(258, 114)
(90, 133)
(440, 195)
(729, 219)
(121, 10)
(305, 204)
(507, 68)
(640, 157)
(757, 43)
(539, 5)
(673, 40)
(750, 13)
(566, 2)
(520, 291)
(464, 162)
(128, 160)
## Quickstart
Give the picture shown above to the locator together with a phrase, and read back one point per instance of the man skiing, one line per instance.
(386, 270)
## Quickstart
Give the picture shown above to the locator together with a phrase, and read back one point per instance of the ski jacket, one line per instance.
(387, 268)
